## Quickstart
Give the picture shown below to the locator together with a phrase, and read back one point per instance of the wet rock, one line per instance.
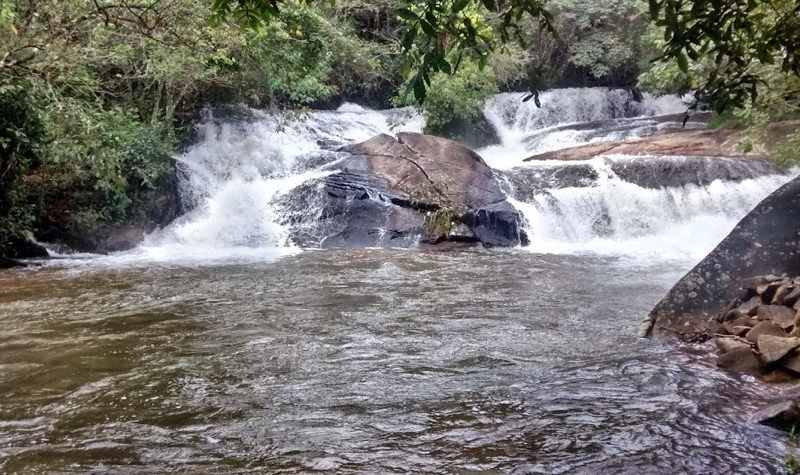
(780, 315)
(694, 143)
(726, 345)
(23, 247)
(782, 415)
(496, 225)
(473, 133)
(764, 242)
(384, 187)
(764, 328)
(773, 348)
(743, 360)
(778, 375)
(753, 282)
(6, 263)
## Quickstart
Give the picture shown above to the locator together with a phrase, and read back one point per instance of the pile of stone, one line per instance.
(759, 330)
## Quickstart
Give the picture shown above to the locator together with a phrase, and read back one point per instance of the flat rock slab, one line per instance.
(697, 143)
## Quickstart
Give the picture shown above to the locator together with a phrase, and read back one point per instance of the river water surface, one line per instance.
(218, 347)
(372, 361)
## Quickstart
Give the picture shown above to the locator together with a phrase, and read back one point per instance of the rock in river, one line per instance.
(381, 191)
(764, 242)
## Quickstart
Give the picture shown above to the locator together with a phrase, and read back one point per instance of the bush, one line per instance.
(454, 97)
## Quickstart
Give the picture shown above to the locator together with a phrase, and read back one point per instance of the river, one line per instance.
(219, 345)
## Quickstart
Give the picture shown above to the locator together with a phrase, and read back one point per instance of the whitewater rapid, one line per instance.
(236, 176)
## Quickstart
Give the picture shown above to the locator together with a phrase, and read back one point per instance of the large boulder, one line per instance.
(380, 191)
(764, 242)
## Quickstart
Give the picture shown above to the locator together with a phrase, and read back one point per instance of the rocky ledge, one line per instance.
(686, 143)
(705, 143)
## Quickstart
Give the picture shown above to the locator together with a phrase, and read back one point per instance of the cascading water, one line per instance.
(611, 214)
(234, 180)
(232, 177)
(384, 362)
(607, 114)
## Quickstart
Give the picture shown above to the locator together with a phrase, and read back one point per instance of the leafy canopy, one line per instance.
(439, 33)
(740, 36)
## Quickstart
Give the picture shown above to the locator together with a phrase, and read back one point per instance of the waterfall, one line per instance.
(231, 180)
(569, 117)
(235, 180)
(606, 212)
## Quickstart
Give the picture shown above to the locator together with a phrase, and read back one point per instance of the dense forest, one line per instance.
(97, 96)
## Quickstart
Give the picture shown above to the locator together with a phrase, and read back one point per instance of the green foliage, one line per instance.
(602, 36)
(121, 156)
(438, 33)
(21, 131)
(96, 95)
(305, 57)
(459, 96)
(442, 215)
(740, 36)
(787, 152)
(792, 464)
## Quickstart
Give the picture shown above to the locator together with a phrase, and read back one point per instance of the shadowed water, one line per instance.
(371, 361)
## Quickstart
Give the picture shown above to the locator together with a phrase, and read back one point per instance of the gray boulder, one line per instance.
(382, 189)
(764, 242)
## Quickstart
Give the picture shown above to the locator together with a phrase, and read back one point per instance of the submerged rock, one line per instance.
(6, 263)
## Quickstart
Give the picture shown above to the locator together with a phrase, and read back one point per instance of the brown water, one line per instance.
(371, 361)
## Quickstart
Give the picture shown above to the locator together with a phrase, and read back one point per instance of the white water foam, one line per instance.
(615, 217)
(525, 129)
(231, 178)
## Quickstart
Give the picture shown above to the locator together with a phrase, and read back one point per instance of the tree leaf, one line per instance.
(683, 63)
(408, 38)
(407, 14)
(428, 28)
(458, 5)
(419, 90)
